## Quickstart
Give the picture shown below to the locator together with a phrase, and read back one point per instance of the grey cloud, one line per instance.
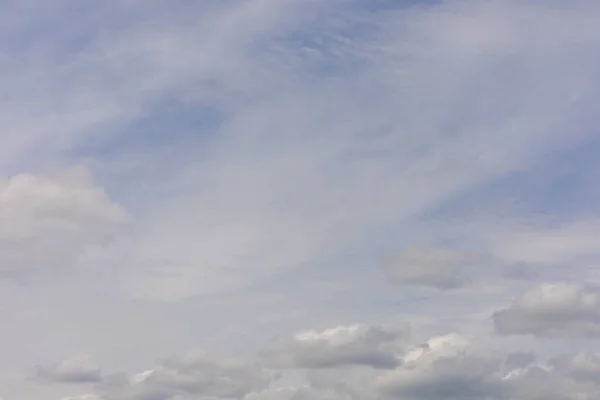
(299, 393)
(449, 367)
(319, 394)
(559, 379)
(580, 367)
(85, 396)
(521, 272)
(423, 266)
(552, 310)
(78, 369)
(341, 346)
(518, 360)
(348, 382)
(195, 375)
(446, 367)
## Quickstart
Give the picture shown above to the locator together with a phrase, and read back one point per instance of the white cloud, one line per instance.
(364, 345)
(555, 310)
(47, 222)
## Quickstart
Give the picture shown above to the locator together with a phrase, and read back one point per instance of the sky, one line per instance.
(299, 200)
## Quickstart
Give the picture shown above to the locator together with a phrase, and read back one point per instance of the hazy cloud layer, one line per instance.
(443, 269)
(227, 175)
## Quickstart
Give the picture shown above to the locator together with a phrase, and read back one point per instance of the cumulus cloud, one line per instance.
(456, 367)
(445, 367)
(77, 369)
(48, 221)
(569, 377)
(440, 268)
(451, 366)
(364, 345)
(195, 374)
(552, 310)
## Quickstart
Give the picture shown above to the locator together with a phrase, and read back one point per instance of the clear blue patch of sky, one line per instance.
(69, 27)
(170, 135)
(165, 125)
(327, 39)
(563, 185)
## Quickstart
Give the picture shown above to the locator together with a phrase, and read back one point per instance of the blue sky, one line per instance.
(298, 199)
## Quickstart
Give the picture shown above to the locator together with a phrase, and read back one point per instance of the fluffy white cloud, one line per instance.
(439, 268)
(555, 310)
(48, 221)
(373, 346)
(77, 369)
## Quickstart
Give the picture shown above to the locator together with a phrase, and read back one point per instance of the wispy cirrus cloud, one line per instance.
(231, 171)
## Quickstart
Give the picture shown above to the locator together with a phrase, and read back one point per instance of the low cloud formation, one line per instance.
(341, 346)
(444, 368)
(77, 369)
(193, 375)
(439, 268)
(560, 378)
(552, 310)
(448, 367)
